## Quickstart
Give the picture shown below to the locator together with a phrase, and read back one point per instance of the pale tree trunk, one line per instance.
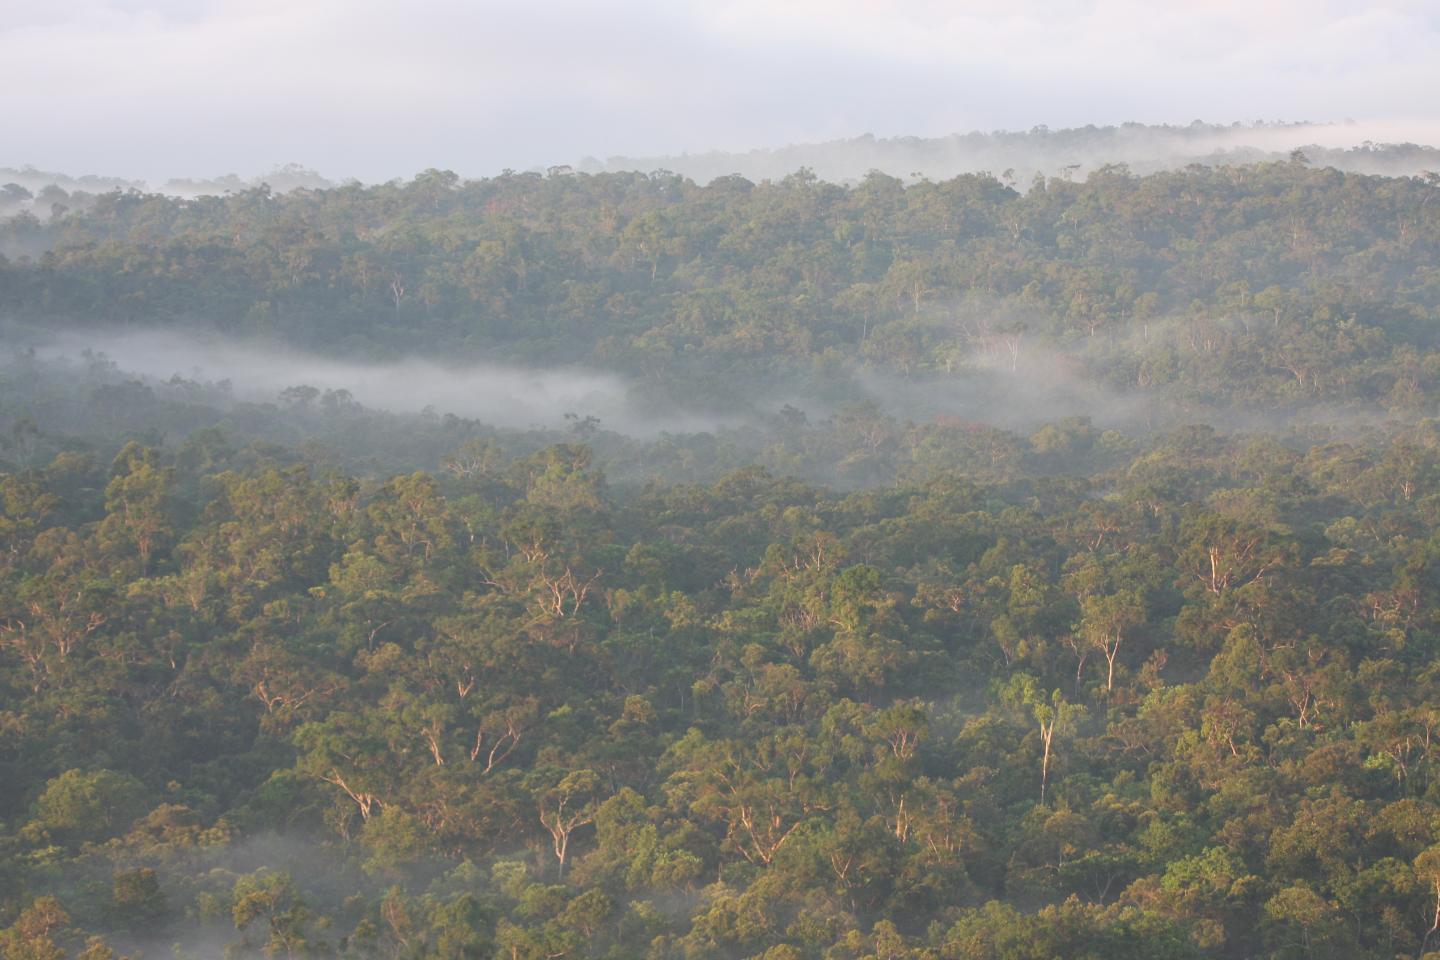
(1047, 734)
(560, 826)
(1112, 650)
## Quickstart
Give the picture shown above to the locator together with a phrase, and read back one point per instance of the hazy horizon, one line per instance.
(160, 89)
(1383, 149)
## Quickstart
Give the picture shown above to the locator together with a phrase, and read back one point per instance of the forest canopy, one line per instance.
(1051, 571)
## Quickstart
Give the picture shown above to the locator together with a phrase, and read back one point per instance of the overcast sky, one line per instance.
(383, 88)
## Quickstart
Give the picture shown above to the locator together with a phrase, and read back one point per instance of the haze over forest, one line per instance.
(569, 495)
(1386, 149)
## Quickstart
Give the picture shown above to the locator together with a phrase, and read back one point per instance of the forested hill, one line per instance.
(1147, 148)
(290, 677)
(1272, 284)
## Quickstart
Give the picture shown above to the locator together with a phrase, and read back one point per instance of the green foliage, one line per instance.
(78, 806)
(1056, 691)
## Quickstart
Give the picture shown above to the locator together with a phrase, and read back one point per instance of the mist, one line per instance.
(1018, 387)
(1388, 149)
(1010, 381)
(47, 193)
(504, 396)
(756, 478)
(1374, 148)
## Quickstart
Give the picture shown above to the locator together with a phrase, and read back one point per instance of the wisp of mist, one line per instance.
(502, 395)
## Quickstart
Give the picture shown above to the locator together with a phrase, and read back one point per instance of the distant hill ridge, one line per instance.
(1015, 156)
(1075, 151)
(34, 190)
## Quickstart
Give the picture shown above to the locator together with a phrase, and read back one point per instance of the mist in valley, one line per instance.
(510, 397)
(854, 425)
(1009, 383)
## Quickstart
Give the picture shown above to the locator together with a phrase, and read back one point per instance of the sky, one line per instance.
(377, 89)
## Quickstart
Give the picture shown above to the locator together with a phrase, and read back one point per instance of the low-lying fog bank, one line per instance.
(843, 426)
(1019, 389)
(1031, 387)
(503, 396)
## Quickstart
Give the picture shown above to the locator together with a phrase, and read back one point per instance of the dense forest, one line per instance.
(1265, 285)
(1058, 575)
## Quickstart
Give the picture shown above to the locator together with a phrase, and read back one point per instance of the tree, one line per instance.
(288, 924)
(1022, 694)
(138, 902)
(566, 807)
(1106, 621)
(31, 936)
(137, 502)
(1427, 870)
(78, 806)
(1223, 553)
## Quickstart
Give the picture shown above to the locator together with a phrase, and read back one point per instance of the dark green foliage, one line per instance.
(1274, 284)
(1142, 724)
(445, 691)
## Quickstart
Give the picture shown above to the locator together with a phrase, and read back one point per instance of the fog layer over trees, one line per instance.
(1019, 156)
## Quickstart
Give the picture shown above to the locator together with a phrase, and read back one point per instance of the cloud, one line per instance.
(382, 88)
